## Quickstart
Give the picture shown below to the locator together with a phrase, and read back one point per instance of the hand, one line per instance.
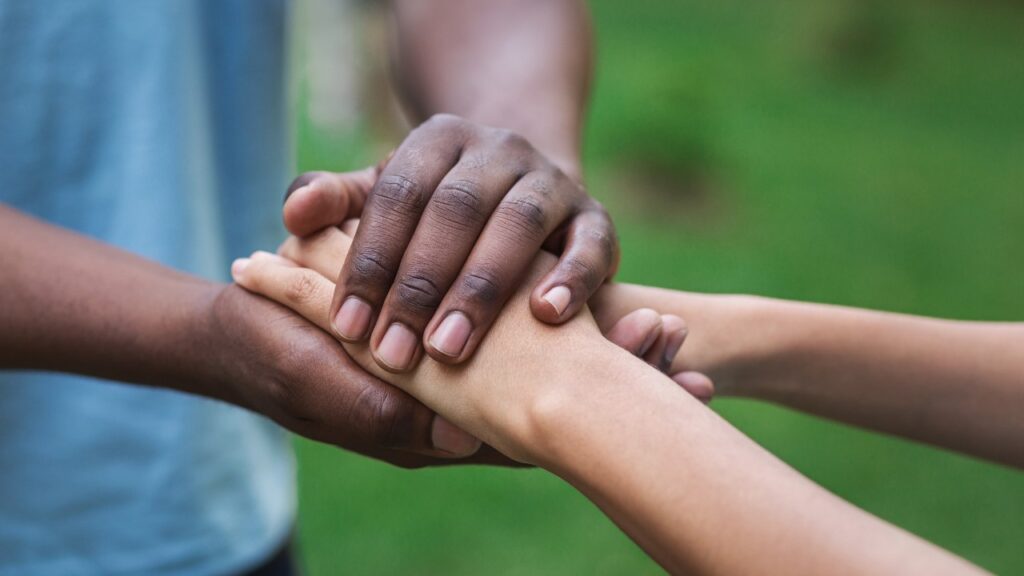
(657, 339)
(308, 291)
(450, 226)
(301, 377)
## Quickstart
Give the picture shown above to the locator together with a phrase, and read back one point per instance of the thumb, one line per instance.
(316, 200)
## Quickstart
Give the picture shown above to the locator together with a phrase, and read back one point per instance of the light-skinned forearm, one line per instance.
(517, 64)
(695, 493)
(69, 303)
(690, 489)
(959, 385)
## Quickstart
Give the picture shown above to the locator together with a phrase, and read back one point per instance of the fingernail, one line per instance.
(651, 339)
(452, 334)
(398, 346)
(448, 437)
(238, 267)
(559, 298)
(672, 346)
(298, 192)
(353, 319)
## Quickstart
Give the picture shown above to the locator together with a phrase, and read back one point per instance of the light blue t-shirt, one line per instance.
(159, 126)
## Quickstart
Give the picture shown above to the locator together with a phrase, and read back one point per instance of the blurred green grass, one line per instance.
(857, 152)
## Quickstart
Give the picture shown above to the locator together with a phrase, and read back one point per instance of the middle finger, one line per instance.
(443, 240)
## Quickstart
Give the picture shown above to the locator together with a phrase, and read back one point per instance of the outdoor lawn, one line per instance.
(867, 153)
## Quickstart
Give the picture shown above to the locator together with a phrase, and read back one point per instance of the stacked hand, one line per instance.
(478, 397)
(450, 227)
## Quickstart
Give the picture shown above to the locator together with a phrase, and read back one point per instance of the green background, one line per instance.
(866, 153)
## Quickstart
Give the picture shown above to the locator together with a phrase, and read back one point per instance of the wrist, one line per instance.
(219, 365)
(172, 345)
(584, 426)
(595, 374)
(554, 373)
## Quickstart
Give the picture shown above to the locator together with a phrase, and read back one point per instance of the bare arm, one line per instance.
(702, 498)
(695, 493)
(491, 174)
(958, 385)
(517, 64)
(71, 304)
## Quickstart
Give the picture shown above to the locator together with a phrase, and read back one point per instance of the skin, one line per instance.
(489, 177)
(692, 491)
(954, 384)
(121, 317)
(168, 328)
(117, 316)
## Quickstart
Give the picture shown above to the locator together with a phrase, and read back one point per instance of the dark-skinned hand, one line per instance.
(449, 226)
(280, 365)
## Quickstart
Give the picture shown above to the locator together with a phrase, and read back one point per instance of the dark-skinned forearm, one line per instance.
(523, 65)
(72, 304)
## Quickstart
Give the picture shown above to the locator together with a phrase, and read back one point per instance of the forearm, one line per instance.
(521, 65)
(698, 495)
(959, 385)
(71, 304)
(690, 489)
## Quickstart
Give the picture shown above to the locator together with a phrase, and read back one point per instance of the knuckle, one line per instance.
(604, 240)
(553, 185)
(460, 201)
(302, 289)
(372, 267)
(557, 183)
(605, 234)
(386, 415)
(482, 286)
(545, 183)
(443, 121)
(416, 291)
(584, 271)
(525, 215)
(398, 193)
(563, 180)
(511, 140)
